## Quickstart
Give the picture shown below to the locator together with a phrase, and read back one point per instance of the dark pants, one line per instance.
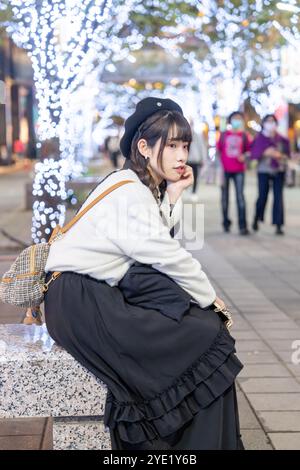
(264, 180)
(196, 170)
(239, 179)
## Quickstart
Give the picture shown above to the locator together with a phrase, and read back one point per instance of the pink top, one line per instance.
(232, 145)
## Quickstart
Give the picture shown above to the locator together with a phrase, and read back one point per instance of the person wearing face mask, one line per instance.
(232, 147)
(271, 150)
(197, 156)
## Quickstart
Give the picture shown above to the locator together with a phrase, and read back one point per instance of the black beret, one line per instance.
(144, 109)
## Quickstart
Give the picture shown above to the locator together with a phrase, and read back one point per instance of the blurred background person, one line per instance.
(197, 156)
(233, 148)
(112, 145)
(272, 151)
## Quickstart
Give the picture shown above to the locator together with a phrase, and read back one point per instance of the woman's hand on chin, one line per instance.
(175, 188)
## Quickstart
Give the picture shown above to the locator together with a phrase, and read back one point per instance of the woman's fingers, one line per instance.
(219, 303)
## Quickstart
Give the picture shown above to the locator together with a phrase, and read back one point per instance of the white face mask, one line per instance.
(270, 127)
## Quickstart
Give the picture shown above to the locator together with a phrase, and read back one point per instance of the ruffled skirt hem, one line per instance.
(204, 382)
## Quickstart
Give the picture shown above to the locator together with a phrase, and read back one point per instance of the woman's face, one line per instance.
(174, 158)
(237, 122)
(270, 125)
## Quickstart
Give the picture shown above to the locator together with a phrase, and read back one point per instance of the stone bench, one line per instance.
(40, 379)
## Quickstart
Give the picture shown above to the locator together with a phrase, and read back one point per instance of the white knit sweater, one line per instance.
(124, 227)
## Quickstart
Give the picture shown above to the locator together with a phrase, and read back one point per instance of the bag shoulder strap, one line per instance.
(87, 208)
(56, 231)
(93, 203)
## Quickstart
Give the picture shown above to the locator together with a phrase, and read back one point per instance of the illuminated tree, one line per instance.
(231, 45)
(64, 38)
(234, 49)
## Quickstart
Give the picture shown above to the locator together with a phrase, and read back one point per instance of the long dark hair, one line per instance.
(267, 116)
(157, 126)
(235, 113)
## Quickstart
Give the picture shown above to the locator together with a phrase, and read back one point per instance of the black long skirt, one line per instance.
(171, 384)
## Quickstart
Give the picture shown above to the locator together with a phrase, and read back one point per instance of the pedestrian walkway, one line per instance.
(20, 164)
(259, 278)
(269, 382)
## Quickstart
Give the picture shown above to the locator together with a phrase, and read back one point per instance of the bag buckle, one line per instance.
(56, 234)
(52, 278)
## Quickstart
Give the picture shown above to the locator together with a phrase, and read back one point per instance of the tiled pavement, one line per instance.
(33, 434)
(269, 382)
(258, 277)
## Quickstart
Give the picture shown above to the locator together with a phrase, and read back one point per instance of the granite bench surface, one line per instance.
(39, 378)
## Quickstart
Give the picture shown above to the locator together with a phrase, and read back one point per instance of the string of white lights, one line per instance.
(64, 39)
(225, 45)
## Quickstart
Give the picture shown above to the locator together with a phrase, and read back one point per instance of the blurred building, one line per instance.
(290, 80)
(17, 122)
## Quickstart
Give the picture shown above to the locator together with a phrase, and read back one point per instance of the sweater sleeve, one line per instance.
(259, 145)
(220, 142)
(147, 240)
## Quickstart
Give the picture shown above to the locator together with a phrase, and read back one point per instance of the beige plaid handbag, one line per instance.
(24, 283)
